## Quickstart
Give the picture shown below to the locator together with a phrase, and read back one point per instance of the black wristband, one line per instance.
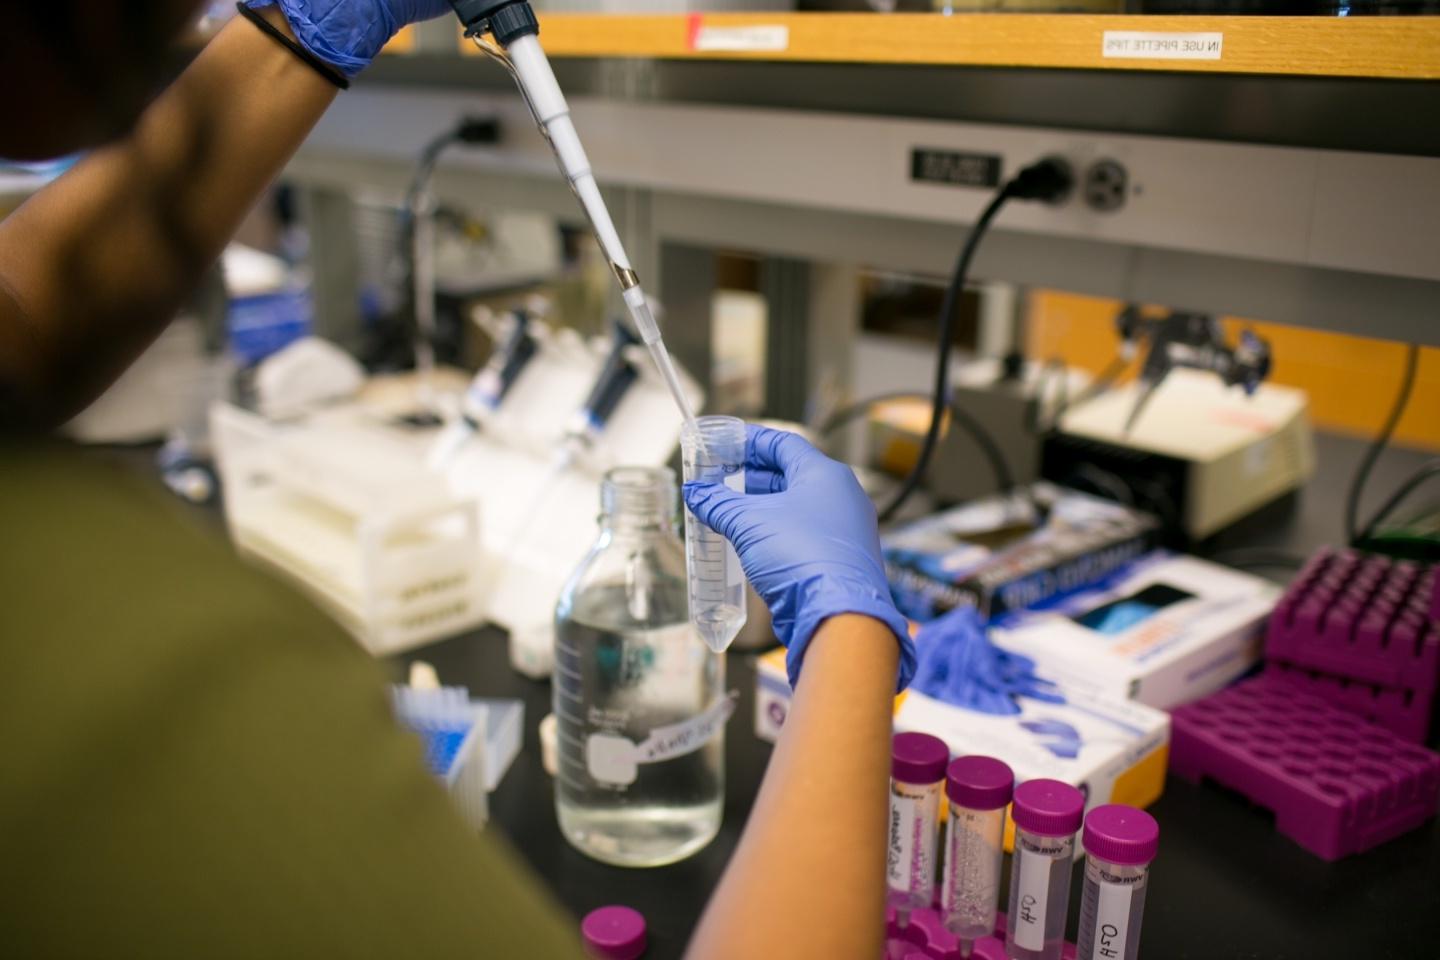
(309, 59)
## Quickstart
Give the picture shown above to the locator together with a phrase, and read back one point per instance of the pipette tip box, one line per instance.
(1359, 630)
(469, 744)
(1336, 784)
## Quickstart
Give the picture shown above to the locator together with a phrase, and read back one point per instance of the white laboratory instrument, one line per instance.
(1200, 455)
(308, 495)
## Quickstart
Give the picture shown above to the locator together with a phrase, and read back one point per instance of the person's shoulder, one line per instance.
(96, 547)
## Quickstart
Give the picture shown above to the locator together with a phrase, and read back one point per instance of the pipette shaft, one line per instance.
(525, 58)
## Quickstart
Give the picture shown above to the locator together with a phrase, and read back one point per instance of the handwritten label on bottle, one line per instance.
(1034, 895)
(1112, 920)
(613, 759)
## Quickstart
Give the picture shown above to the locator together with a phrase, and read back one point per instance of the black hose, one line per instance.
(984, 439)
(1427, 470)
(858, 409)
(1382, 439)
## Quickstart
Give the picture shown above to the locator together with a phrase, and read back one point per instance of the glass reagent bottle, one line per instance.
(640, 704)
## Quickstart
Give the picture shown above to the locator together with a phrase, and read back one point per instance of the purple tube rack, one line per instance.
(925, 938)
(1396, 709)
(1363, 626)
(1336, 784)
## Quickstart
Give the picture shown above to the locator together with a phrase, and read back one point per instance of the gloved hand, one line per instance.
(807, 539)
(347, 34)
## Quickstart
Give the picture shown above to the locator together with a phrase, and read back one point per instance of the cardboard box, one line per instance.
(1164, 630)
(1114, 750)
(1006, 553)
(772, 695)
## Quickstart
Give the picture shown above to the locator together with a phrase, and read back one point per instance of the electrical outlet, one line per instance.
(1106, 185)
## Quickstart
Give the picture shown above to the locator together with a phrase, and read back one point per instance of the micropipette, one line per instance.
(614, 380)
(507, 32)
(488, 390)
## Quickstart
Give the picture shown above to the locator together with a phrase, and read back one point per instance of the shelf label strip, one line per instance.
(769, 38)
(1139, 45)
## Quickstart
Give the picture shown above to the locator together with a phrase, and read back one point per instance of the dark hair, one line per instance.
(136, 49)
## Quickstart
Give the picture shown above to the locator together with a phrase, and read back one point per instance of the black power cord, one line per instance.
(1382, 440)
(1004, 479)
(475, 131)
(1050, 180)
(391, 344)
(1427, 470)
(860, 408)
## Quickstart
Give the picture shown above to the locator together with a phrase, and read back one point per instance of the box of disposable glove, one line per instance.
(1113, 750)
(772, 695)
(1163, 630)
(1009, 552)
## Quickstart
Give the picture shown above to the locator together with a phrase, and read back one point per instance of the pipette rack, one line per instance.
(1360, 630)
(1336, 784)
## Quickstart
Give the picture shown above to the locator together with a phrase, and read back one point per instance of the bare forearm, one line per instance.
(813, 854)
(94, 266)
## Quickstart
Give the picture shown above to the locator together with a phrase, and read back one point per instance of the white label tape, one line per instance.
(1137, 45)
(1034, 895)
(1112, 920)
(741, 39)
(616, 760)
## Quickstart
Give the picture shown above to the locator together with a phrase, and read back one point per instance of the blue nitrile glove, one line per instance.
(807, 538)
(348, 34)
(1017, 676)
(959, 665)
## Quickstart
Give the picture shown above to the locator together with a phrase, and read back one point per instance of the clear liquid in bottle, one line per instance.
(639, 700)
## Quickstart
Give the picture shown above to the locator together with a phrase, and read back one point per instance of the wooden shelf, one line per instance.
(1380, 47)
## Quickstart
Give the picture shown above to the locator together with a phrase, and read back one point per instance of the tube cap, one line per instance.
(1121, 834)
(979, 783)
(918, 758)
(613, 933)
(1048, 807)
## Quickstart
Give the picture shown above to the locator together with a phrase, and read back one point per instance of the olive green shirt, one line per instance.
(194, 762)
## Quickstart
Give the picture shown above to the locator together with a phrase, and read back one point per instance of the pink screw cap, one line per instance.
(614, 933)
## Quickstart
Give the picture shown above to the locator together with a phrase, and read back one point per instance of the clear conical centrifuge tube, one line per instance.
(1047, 815)
(1120, 842)
(979, 790)
(917, 769)
(713, 450)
